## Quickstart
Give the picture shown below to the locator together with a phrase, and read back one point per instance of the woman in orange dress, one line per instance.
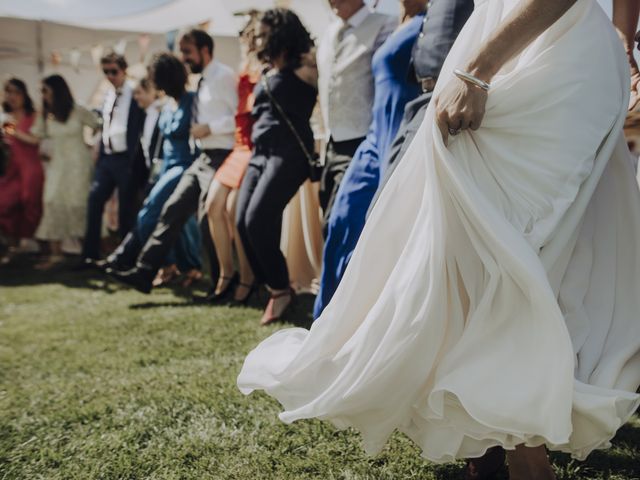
(222, 192)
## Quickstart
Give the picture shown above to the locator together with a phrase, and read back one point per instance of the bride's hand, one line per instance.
(459, 106)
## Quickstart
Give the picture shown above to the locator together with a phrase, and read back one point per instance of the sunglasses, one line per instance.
(111, 71)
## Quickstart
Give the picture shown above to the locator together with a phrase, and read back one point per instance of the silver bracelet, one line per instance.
(467, 77)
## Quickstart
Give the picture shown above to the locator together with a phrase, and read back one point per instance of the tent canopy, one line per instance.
(161, 16)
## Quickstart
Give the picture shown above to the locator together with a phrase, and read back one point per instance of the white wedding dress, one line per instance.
(493, 298)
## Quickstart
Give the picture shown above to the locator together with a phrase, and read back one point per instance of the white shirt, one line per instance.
(217, 106)
(345, 83)
(114, 126)
(152, 114)
(355, 20)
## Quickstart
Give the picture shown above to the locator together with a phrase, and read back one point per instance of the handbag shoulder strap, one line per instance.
(267, 89)
(158, 145)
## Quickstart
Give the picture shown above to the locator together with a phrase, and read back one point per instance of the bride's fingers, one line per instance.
(466, 122)
(442, 120)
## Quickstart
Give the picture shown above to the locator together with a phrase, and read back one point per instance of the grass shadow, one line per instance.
(20, 272)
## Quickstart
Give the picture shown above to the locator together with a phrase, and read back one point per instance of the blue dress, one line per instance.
(175, 127)
(393, 90)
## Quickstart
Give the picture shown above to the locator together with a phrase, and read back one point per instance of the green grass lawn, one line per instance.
(97, 382)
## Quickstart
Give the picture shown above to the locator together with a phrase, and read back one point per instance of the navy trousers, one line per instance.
(112, 171)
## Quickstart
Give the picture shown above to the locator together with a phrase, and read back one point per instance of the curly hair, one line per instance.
(168, 74)
(287, 36)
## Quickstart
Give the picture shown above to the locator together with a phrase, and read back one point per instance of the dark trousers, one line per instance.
(112, 171)
(337, 159)
(414, 113)
(187, 198)
(271, 180)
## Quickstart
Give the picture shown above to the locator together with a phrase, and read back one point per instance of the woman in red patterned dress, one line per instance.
(21, 186)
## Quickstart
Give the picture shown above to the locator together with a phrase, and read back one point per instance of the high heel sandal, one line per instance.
(251, 288)
(212, 297)
(165, 276)
(269, 316)
(191, 277)
(233, 280)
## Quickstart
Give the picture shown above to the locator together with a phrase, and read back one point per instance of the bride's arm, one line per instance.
(461, 105)
(625, 19)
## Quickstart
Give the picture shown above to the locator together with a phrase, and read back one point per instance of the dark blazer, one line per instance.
(135, 124)
(441, 26)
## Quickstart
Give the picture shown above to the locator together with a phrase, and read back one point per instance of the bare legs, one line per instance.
(55, 256)
(220, 211)
(246, 274)
(529, 463)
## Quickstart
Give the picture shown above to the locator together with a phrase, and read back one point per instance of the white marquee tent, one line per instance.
(39, 37)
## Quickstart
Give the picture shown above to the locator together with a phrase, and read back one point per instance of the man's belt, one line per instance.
(427, 83)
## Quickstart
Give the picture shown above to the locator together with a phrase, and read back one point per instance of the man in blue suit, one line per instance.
(440, 28)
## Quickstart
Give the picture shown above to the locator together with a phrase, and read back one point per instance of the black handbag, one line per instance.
(315, 167)
(4, 156)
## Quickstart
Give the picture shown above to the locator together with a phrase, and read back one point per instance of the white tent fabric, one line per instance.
(174, 15)
(315, 14)
(161, 16)
(19, 53)
(65, 10)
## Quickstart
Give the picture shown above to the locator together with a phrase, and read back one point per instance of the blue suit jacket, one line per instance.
(441, 26)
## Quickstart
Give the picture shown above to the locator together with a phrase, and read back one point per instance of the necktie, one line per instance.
(338, 44)
(194, 105)
(113, 109)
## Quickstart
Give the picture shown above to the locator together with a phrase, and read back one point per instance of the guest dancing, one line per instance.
(120, 164)
(346, 87)
(393, 89)
(70, 167)
(282, 138)
(220, 208)
(169, 75)
(492, 261)
(442, 23)
(212, 128)
(22, 184)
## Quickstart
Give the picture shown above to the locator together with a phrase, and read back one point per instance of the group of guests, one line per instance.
(213, 169)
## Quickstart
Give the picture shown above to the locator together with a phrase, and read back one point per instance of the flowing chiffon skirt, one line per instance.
(493, 296)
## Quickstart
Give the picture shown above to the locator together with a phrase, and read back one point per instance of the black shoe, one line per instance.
(213, 297)
(86, 264)
(138, 278)
(110, 263)
(251, 289)
(209, 297)
(105, 264)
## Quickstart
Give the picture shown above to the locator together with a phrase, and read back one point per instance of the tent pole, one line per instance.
(39, 53)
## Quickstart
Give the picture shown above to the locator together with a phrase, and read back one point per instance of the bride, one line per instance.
(493, 297)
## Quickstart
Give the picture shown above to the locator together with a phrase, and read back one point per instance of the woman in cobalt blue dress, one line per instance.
(169, 75)
(393, 90)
